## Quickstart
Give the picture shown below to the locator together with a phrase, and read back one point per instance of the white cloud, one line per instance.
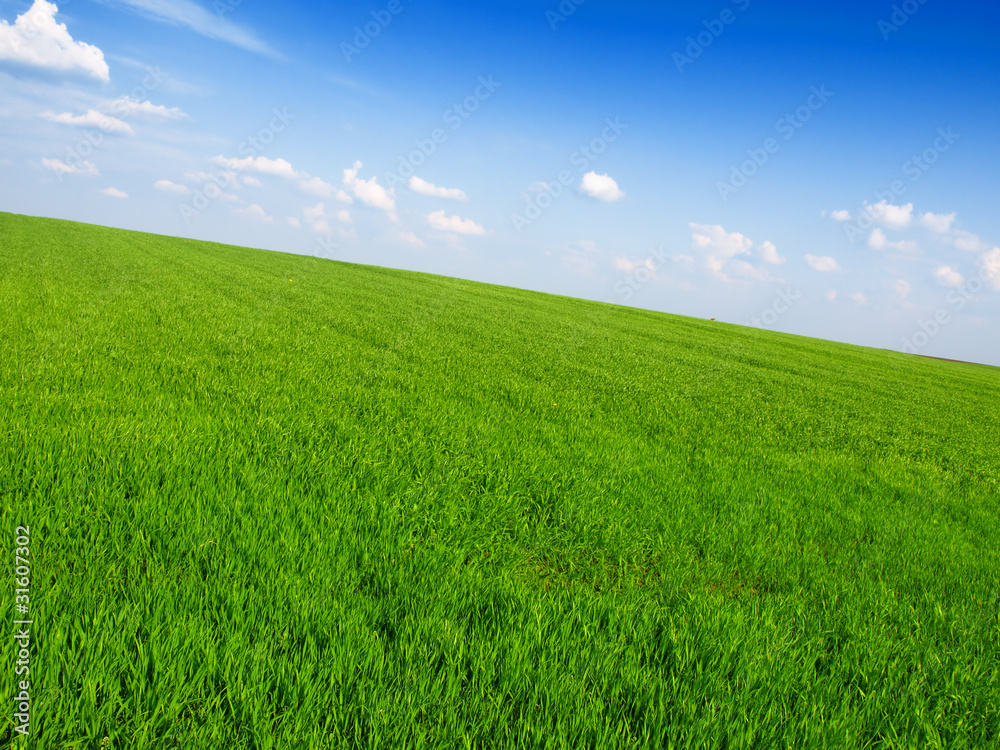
(840, 215)
(723, 243)
(276, 168)
(253, 211)
(831, 295)
(57, 165)
(602, 187)
(721, 250)
(878, 241)
(893, 217)
(425, 188)
(344, 216)
(718, 247)
(859, 298)
(770, 253)
(293, 222)
(128, 106)
(438, 220)
(36, 39)
(198, 19)
(990, 263)
(260, 164)
(937, 223)
(252, 181)
(822, 263)
(93, 119)
(171, 187)
(948, 276)
(114, 192)
(370, 192)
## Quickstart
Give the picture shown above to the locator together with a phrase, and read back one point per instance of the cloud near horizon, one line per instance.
(722, 251)
(255, 212)
(277, 168)
(370, 192)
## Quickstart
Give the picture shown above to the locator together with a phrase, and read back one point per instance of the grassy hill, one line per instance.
(277, 502)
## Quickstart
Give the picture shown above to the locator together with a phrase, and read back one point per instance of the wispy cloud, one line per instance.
(198, 19)
(60, 167)
(128, 106)
(255, 212)
(93, 118)
(171, 187)
(425, 188)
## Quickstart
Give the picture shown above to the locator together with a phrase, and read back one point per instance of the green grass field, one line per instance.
(277, 501)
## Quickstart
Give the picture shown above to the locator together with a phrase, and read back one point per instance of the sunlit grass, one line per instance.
(278, 501)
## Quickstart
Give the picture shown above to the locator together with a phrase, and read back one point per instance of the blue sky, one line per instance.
(825, 171)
